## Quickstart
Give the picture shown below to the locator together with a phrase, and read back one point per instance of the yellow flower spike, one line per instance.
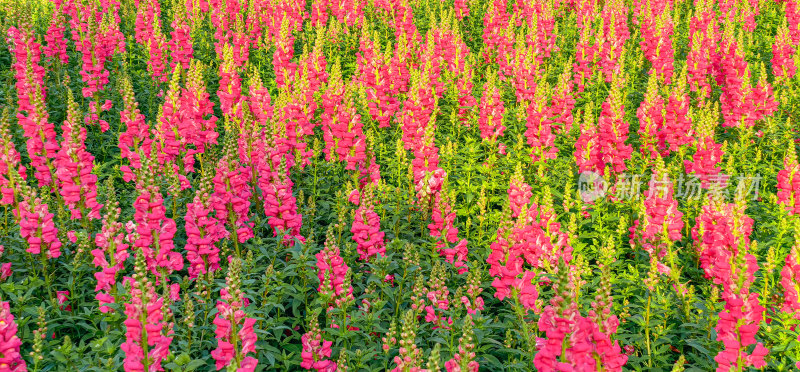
(791, 157)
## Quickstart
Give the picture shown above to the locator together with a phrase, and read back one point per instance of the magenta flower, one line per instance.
(231, 196)
(341, 125)
(661, 222)
(442, 228)
(491, 111)
(723, 235)
(533, 238)
(42, 144)
(5, 270)
(10, 358)
(316, 351)
(111, 252)
(74, 165)
(37, 227)
(789, 183)
(366, 230)
(11, 168)
(332, 272)
(235, 335)
(203, 231)
(155, 232)
(145, 322)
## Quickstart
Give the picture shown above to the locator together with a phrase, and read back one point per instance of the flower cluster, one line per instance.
(280, 206)
(11, 168)
(415, 117)
(532, 237)
(234, 331)
(742, 104)
(586, 54)
(615, 34)
(342, 127)
(203, 231)
(464, 359)
(677, 129)
(97, 36)
(790, 280)
(723, 233)
(657, 29)
(789, 183)
(147, 337)
(433, 298)
(491, 110)
(332, 272)
(196, 124)
(540, 134)
(230, 84)
(316, 350)
(56, 46)
(231, 196)
(612, 129)
(180, 46)
(783, 53)
(446, 233)
(379, 79)
(409, 358)
(575, 342)
(134, 141)
(661, 222)
(651, 119)
(111, 252)
(472, 299)
(282, 59)
(708, 153)
(428, 176)
(37, 226)
(10, 357)
(77, 183)
(149, 34)
(155, 232)
(495, 21)
(366, 228)
(603, 144)
(42, 144)
(704, 37)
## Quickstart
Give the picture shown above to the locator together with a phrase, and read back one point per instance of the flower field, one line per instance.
(404, 185)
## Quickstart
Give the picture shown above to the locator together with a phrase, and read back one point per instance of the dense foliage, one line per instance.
(414, 185)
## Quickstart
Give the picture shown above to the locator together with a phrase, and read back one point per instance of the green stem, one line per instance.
(43, 258)
(144, 344)
(235, 341)
(647, 331)
(521, 315)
